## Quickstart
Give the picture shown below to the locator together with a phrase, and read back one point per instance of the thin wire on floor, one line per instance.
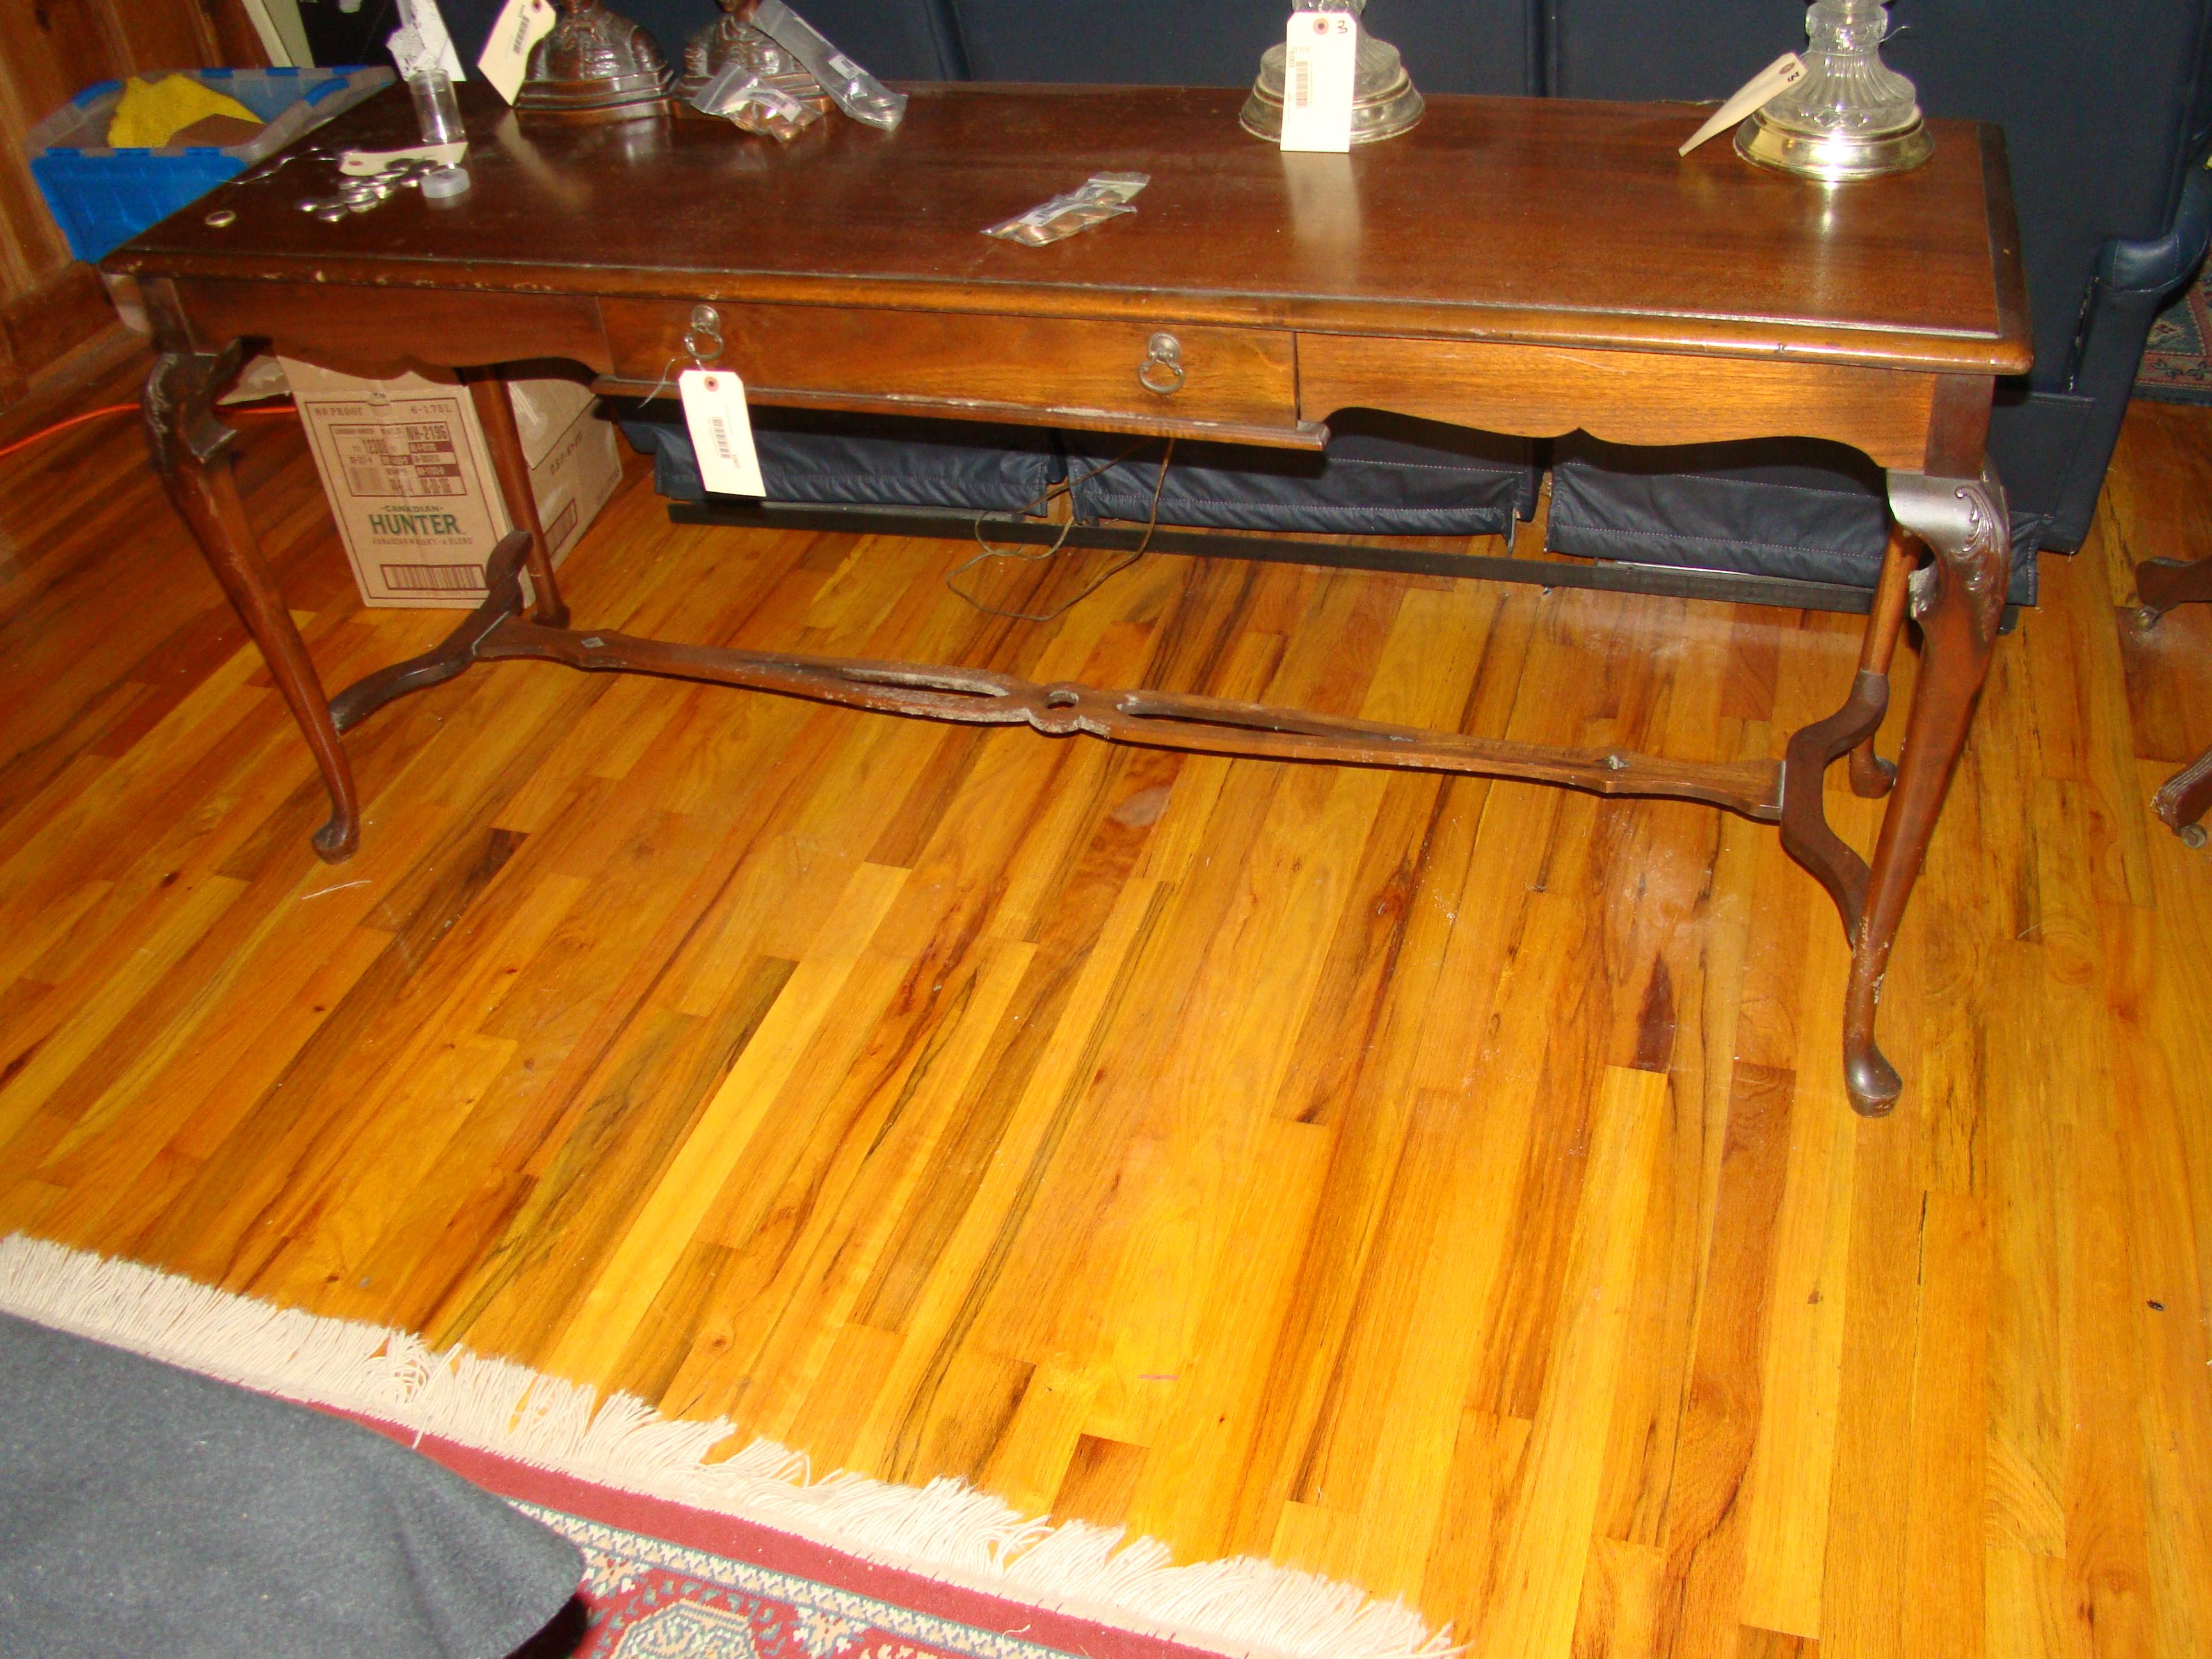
(1066, 487)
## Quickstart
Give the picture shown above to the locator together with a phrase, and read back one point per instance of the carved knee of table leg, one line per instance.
(1958, 600)
(192, 451)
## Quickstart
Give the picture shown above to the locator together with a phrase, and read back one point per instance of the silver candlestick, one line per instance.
(1852, 117)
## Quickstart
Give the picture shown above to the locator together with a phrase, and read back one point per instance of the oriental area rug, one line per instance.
(744, 1558)
(2177, 360)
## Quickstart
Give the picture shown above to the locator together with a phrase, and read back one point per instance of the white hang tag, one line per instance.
(1320, 53)
(721, 431)
(505, 60)
(1762, 89)
(367, 163)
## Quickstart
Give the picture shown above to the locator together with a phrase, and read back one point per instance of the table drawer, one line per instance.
(1065, 372)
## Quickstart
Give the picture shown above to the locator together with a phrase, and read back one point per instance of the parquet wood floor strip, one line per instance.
(1442, 1184)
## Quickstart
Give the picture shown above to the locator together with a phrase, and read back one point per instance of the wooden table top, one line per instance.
(1534, 220)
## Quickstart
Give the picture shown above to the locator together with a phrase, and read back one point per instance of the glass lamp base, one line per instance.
(1834, 157)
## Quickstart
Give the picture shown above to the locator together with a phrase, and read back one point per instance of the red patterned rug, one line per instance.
(663, 1581)
(2177, 361)
(748, 1557)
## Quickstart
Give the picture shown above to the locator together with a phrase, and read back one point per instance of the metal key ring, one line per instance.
(704, 339)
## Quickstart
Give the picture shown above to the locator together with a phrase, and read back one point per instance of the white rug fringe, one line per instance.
(1245, 1607)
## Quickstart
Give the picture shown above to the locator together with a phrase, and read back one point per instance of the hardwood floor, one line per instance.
(1445, 1186)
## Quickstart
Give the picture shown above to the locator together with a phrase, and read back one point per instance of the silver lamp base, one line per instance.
(1833, 157)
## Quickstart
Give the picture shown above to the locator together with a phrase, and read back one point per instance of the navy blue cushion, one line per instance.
(1814, 512)
(1382, 475)
(864, 460)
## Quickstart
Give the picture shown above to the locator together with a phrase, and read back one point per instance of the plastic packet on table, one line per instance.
(854, 90)
(755, 104)
(1103, 197)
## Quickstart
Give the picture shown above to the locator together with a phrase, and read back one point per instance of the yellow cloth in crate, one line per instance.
(151, 113)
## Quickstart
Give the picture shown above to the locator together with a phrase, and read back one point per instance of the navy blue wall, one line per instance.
(1452, 45)
(902, 40)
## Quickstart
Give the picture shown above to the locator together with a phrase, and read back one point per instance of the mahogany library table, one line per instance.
(1521, 266)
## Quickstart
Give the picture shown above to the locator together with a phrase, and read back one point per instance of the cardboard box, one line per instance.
(409, 476)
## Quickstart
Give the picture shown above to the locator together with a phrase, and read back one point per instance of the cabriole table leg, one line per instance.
(494, 406)
(1958, 600)
(192, 452)
(1872, 777)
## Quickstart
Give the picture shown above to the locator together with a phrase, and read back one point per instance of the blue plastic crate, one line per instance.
(102, 198)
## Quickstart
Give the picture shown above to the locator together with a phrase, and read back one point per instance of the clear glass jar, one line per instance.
(437, 111)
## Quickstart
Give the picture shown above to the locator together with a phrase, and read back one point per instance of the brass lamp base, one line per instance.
(1385, 101)
(1833, 157)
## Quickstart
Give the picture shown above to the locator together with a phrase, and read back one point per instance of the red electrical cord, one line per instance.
(45, 433)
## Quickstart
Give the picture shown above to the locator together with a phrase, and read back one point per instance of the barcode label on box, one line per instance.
(434, 578)
(721, 431)
(1320, 53)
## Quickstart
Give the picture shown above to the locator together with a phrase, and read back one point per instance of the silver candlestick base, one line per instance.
(1852, 117)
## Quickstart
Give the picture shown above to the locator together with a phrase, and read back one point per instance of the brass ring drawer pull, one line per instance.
(703, 340)
(1161, 371)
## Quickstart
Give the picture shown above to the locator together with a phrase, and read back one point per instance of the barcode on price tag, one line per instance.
(1319, 54)
(505, 60)
(721, 431)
